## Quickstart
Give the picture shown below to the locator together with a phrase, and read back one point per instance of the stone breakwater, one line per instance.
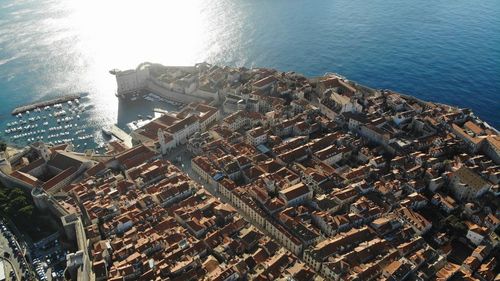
(32, 106)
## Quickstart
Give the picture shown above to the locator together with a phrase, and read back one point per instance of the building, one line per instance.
(256, 136)
(467, 185)
(132, 81)
(476, 234)
(417, 222)
(265, 83)
(295, 194)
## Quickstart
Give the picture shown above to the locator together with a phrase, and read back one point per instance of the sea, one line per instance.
(443, 51)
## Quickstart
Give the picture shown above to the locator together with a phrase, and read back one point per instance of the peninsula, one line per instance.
(269, 175)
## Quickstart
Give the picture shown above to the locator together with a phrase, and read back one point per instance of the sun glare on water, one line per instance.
(122, 34)
(135, 31)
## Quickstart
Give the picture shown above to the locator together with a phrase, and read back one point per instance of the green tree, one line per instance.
(455, 226)
(15, 203)
(25, 212)
(3, 197)
(16, 193)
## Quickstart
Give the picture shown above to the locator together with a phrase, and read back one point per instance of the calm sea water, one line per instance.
(445, 51)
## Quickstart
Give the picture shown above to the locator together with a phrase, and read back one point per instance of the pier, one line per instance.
(24, 108)
(121, 135)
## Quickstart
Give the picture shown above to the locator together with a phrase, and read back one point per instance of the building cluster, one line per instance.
(47, 168)
(150, 221)
(361, 184)
(169, 131)
(313, 179)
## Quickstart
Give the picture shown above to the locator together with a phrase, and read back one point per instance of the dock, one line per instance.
(24, 108)
(160, 110)
(121, 135)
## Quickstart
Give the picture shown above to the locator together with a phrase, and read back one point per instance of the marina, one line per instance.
(57, 121)
(69, 120)
(140, 109)
(155, 98)
(43, 104)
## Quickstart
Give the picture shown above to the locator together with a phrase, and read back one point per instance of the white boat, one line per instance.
(107, 131)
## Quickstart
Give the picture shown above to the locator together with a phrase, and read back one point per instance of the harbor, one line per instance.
(43, 104)
(136, 111)
(69, 119)
(55, 121)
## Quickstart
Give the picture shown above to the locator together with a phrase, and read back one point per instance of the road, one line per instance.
(8, 267)
(15, 254)
(11, 263)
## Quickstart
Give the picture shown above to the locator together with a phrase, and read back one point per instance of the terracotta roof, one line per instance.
(58, 178)
(32, 165)
(473, 127)
(180, 125)
(295, 191)
(470, 178)
(264, 81)
(63, 160)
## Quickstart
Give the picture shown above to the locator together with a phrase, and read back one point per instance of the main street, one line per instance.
(181, 157)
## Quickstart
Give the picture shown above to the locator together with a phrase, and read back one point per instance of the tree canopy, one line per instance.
(455, 225)
(16, 204)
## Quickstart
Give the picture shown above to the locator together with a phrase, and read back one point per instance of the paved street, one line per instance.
(185, 164)
(10, 254)
(8, 267)
(181, 157)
